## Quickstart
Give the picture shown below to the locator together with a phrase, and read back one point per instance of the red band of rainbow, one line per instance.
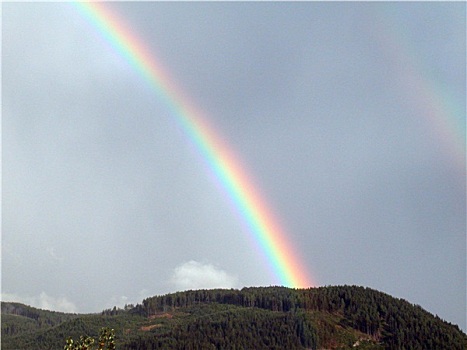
(271, 238)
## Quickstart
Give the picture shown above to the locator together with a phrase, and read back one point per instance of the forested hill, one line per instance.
(19, 319)
(341, 317)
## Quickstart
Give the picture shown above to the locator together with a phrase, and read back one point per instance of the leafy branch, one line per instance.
(106, 341)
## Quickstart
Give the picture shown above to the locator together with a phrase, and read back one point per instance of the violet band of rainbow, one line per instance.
(263, 226)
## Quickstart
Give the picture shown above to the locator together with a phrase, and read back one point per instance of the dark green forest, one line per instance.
(340, 317)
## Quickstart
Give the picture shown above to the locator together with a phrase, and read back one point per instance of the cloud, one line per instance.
(196, 275)
(43, 301)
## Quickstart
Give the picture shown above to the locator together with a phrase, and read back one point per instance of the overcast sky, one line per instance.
(349, 116)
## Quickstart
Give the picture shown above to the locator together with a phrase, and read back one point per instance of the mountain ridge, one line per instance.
(331, 317)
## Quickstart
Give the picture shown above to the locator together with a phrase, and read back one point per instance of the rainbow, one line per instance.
(445, 117)
(238, 185)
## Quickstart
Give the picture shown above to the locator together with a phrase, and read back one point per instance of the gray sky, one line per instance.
(349, 116)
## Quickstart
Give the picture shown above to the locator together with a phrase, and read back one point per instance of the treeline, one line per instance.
(83, 325)
(394, 322)
(232, 328)
(342, 317)
(19, 318)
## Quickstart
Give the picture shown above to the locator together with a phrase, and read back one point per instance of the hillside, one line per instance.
(341, 317)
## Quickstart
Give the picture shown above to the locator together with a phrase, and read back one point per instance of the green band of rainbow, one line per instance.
(270, 237)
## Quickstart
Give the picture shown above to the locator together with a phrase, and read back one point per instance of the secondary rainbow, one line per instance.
(444, 115)
(282, 257)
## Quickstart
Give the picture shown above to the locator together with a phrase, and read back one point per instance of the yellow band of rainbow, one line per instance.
(284, 260)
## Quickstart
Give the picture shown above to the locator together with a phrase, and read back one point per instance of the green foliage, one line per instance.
(85, 343)
(19, 319)
(228, 327)
(342, 317)
(394, 323)
(106, 341)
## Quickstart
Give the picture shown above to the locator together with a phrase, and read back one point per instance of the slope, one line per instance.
(340, 317)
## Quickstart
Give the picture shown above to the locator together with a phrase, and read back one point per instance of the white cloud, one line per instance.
(43, 301)
(122, 300)
(196, 275)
